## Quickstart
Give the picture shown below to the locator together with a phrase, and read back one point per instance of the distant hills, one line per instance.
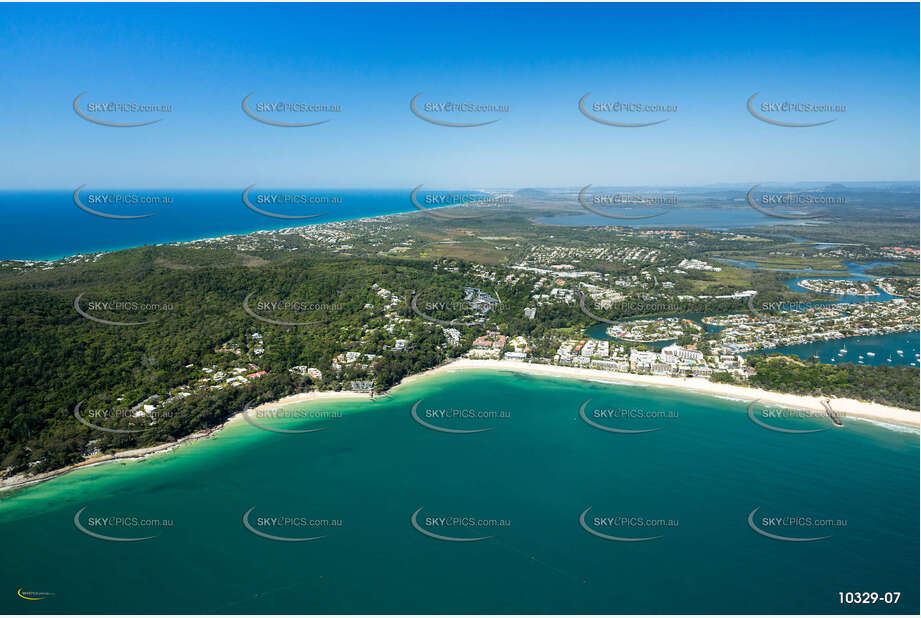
(531, 193)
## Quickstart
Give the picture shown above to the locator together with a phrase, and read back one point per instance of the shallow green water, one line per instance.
(539, 467)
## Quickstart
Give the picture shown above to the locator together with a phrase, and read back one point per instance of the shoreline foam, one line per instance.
(844, 407)
(847, 408)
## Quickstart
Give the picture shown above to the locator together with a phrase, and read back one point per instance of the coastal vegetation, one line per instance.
(217, 324)
(889, 385)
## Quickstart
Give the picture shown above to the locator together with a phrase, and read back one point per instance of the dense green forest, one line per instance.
(192, 313)
(185, 312)
(889, 385)
(53, 358)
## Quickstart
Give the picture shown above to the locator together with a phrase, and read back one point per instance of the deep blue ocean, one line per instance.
(47, 225)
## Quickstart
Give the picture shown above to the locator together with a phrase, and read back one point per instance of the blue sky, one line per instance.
(537, 59)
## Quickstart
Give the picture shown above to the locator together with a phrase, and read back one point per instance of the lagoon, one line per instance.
(707, 218)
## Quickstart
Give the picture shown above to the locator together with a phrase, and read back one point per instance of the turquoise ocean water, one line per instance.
(692, 483)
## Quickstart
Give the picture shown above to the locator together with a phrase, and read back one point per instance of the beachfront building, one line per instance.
(660, 369)
(641, 360)
(492, 339)
(682, 353)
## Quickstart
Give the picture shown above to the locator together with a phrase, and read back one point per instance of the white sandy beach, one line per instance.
(302, 398)
(844, 407)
